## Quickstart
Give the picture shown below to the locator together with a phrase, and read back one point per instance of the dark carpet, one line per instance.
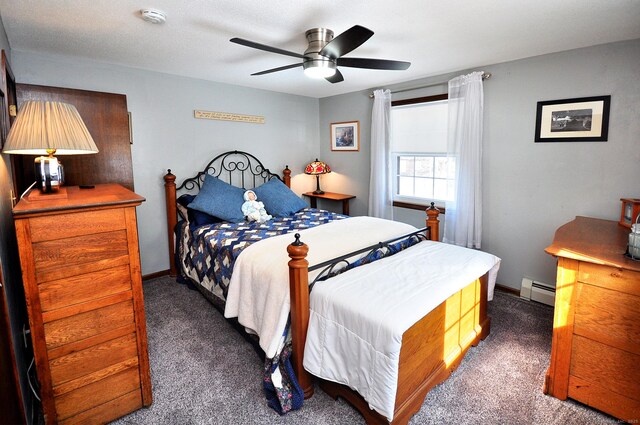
(205, 372)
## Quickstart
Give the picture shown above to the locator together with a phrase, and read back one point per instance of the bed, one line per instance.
(429, 346)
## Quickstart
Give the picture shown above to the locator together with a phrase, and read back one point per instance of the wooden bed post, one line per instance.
(433, 222)
(483, 327)
(299, 295)
(172, 217)
(286, 176)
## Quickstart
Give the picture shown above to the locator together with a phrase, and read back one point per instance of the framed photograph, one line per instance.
(345, 136)
(584, 119)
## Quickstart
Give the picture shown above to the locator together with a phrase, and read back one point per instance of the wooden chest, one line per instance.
(81, 272)
(595, 350)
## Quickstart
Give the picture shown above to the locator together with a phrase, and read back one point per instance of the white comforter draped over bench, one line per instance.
(358, 317)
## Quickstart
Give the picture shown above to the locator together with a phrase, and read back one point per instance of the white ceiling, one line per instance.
(436, 36)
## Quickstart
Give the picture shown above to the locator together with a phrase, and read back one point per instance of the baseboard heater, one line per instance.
(538, 291)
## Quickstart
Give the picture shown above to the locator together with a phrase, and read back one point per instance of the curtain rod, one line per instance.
(485, 76)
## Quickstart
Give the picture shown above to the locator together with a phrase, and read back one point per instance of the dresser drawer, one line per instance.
(107, 412)
(608, 316)
(614, 370)
(46, 228)
(99, 360)
(97, 393)
(62, 258)
(88, 324)
(627, 281)
(85, 287)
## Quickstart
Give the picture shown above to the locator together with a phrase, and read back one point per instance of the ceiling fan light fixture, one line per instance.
(319, 69)
(325, 53)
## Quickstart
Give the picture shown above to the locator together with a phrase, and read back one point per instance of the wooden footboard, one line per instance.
(431, 349)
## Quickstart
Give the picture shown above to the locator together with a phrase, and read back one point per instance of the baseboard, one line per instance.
(156, 274)
(541, 292)
(508, 290)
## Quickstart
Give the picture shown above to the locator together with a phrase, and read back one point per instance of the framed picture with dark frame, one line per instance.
(345, 136)
(584, 119)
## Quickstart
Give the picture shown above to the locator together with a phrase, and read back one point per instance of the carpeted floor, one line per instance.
(204, 372)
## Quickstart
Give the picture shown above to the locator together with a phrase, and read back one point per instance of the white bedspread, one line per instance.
(358, 317)
(259, 289)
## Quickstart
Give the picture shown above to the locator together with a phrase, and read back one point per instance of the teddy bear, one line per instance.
(253, 209)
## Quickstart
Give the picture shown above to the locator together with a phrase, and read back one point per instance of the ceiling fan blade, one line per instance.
(370, 63)
(335, 78)
(264, 47)
(281, 68)
(346, 42)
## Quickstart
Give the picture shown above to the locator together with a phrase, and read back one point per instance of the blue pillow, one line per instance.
(219, 199)
(200, 219)
(278, 199)
(193, 217)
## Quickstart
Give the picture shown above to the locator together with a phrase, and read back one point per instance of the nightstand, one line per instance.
(81, 273)
(313, 197)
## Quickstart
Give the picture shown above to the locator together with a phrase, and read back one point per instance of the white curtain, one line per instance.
(463, 218)
(380, 183)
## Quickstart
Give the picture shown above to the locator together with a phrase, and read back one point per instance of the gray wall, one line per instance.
(166, 135)
(530, 189)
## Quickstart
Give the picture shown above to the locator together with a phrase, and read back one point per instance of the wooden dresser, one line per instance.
(81, 272)
(595, 351)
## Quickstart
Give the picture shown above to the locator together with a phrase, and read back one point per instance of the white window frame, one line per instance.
(396, 178)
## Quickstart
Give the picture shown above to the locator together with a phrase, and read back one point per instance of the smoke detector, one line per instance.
(153, 16)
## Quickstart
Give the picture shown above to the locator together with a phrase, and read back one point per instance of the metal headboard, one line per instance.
(237, 168)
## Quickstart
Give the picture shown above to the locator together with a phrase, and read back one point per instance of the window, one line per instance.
(424, 176)
(422, 172)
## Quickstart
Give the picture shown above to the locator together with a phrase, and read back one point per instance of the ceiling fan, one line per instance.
(325, 53)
